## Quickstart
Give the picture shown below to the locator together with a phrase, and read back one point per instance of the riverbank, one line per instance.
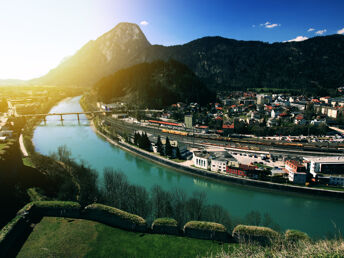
(218, 176)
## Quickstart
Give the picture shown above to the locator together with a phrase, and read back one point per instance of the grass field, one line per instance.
(60, 237)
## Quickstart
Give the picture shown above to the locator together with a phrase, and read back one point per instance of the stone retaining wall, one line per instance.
(10, 234)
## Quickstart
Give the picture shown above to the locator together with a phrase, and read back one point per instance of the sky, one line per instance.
(36, 35)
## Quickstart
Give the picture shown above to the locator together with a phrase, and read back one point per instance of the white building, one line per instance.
(218, 165)
(326, 165)
(201, 159)
(215, 161)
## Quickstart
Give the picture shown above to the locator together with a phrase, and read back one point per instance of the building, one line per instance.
(296, 171)
(201, 159)
(216, 161)
(220, 160)
(188, 120)
(263, 99)
(328, 170)
(243, 170)
(326, 165)
(336, 180)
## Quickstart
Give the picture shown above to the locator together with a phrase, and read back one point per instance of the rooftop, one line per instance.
(329, 159)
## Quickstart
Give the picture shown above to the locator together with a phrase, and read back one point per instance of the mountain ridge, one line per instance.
(221, 63)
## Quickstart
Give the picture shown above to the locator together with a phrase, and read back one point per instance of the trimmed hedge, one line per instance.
(10, 234)
(262, 235)
(52, 209)
(205, 225)
(115, 217)
(168, 226)
(206, 230)
(165, 222)
(292, 235)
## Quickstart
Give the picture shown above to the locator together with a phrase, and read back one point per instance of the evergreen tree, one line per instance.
(168, 148)
(147, 143)
(160, 148)
(178, 155)
(136, 138)
(140, 140)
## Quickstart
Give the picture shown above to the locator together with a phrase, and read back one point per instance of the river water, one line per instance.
(317, 216)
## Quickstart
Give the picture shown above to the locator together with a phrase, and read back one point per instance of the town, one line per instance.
(283, 138)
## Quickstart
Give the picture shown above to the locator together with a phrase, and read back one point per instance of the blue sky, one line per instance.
(36, 35)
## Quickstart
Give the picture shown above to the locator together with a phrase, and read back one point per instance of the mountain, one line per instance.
(154, 85)
(110, 52)
(221, 63)
(317, 63)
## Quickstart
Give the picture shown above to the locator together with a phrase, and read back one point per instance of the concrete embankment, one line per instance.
(228, 178)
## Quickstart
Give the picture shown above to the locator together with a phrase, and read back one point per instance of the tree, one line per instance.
(196, 205)
(168, 148)
(253, 218)
(136, 138)
(178, 155)
(159, 146)
(147, 145)
(161, 202)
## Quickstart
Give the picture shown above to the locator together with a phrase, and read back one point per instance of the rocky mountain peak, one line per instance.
(125, 36)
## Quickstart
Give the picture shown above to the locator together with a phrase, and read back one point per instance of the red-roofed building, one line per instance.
(296, 171)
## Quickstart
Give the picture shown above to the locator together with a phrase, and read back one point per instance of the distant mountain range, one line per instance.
(316, 63)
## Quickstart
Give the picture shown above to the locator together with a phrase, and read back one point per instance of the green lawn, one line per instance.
(60, 237)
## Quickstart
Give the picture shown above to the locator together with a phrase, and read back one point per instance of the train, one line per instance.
(241, 141)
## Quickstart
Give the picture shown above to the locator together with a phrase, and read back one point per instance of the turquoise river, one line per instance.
(319, 217)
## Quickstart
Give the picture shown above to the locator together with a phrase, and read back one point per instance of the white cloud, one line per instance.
(144, 23)
(253, 26)
(269, 25)
(320, 32)
(298, 39)
(340, 31)
(311, 29)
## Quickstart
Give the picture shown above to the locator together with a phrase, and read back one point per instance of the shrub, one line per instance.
(119, 213)
(206, 230)
(167, 226)
(292, 235)
(40, 209)
(205, 225)
(165, 222)
(262, 235)
(35, 195)
(57, 204)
